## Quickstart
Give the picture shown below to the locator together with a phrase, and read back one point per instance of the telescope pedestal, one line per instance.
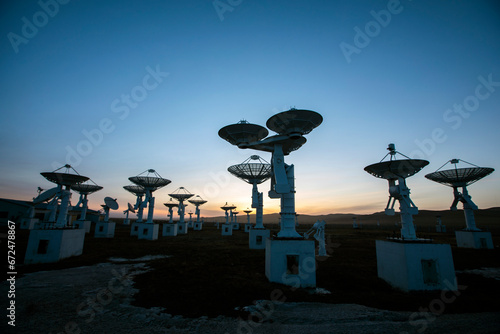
(474, 239)
(197, 226)
(169, 230)
(134, 229)
(235, 226)
(148, 231)
(291, 262)
(416, 266)
(182, 228)
(248, 227)
(45, 246)
(83, 224)
(104, 230)
(227, 229)
(257, 238)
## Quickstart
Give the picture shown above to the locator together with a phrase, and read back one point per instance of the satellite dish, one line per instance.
(86, 188)
(171, 204)
(252, 172)
(247, 211)
(45, 196)
(135, 189)
(181, 194)
(295, 122)
(197, 200)
(226, 207)
(395, 169)
(130, 208)
(243, 133)
(150, 182)
(111, 203)
(64, 179)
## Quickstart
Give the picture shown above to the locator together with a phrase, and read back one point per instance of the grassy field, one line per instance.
(208, 274)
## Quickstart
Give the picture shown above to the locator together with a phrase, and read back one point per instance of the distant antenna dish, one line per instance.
(197, 200)
(243, 133)
(226, 207)
(86, 188)
(135, 189)
(46, 196)
(111, 203)
(171, 204)
(181, 194)
(248, 211)
(150, 182)
(461, 177)
(295, 122)
(64, 179)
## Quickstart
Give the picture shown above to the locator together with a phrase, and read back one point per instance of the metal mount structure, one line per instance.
(139, 192)
(228, 207)
(150, 182)
(319, 234)
(290, 126)
(64, 180)
(396, 171)
(461, 178)
(181, 194)
(171, 205)
(85, 189)
(197, 201)
(254, 171)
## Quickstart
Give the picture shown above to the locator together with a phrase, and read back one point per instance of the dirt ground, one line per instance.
(97, 299)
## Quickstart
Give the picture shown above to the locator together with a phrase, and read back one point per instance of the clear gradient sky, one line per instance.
(117, 87)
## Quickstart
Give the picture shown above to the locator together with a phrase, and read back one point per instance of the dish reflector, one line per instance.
(64, 179)
(394, 169)
(135, 189)
(111, 203)
(295, 122)
(243, 133)
(86, 188)
(46, 195)
(460, 177)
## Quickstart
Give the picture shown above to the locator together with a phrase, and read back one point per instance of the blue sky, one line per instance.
(132, 85)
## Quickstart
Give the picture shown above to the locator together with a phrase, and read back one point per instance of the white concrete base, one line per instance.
(416, 266)
(257, 238)
(45, 246)
(104, 230)
(248, 227)
(148, 231)
(134, 229)
(83, 224)
(190, 224)
(474, 239)
(291, 262)
(198, 226)
(441, 228)
(182, 228)
(28, 223)
(236, 226)
(169, 230)
(226, 229)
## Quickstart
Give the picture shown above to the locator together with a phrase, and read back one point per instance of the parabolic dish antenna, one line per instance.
(111, 203)
(151, 182)
(226, 207)
(171, 204)
(197, 200)
(135, 189)
(181, 194)
(64, 179)
(86, 188)
(46, 196)
(295, 122)
(247, 211)
(243, 133)
(395, 169)
(252, 170)
(459, 177)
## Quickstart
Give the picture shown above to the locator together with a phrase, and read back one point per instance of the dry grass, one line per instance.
(211, 275)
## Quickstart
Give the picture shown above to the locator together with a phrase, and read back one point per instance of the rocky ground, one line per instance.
(97, 299)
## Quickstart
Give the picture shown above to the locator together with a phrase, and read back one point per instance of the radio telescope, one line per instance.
(461, 178)
(139, 192)
(228, 207)
(181, 194)
(85, 189)
(150, 182)
(396, 171)
(130, 208)
(64, 183)
(254, 171)
(171, 205)
(290, 126)
(197, 201)
(109, 203)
